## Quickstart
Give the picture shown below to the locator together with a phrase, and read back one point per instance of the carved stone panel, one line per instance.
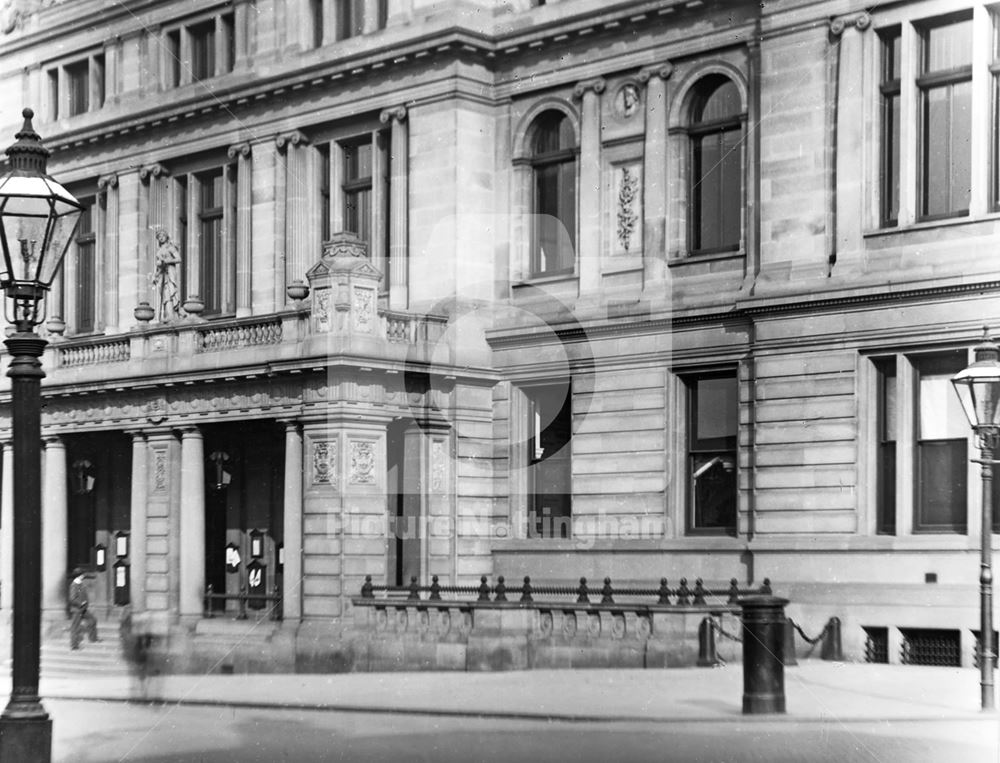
(363, 462)
(321, 315)
(626, 197)
(439, 465)
(161, 465)
(363, 309)
(324, 463)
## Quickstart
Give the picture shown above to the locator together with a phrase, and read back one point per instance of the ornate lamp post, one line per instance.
(978, 387)
(37, 221)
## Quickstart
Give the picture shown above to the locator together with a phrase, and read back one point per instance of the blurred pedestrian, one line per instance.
(78, 603)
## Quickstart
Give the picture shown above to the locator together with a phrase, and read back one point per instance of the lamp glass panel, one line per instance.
(23, 237)
(985, 391)
(60, 236)
(965, 397)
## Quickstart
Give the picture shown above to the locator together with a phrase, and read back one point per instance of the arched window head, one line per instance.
(716, 190)
(553, 207)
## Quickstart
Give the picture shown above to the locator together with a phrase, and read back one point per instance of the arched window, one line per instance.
(553, 170)
(716, 192)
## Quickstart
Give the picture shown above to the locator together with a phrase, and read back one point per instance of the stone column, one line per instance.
(54, 522)
(588, 237)
(137, 531)
(108, 285)
(298, 257)
(154, 213)
(244, 228)
(291, 591)
(7, 531)
(848, 44)
(280, 214)
(655, 167)
(398, 270)
(192, 523)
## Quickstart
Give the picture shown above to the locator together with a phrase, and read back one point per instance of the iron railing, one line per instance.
(244, 601)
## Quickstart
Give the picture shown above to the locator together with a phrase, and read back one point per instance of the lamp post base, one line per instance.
(26, 739)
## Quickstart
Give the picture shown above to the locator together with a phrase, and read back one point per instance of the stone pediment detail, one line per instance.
(345, 253)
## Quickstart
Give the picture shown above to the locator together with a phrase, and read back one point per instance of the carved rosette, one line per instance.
(362, 462)
(325, 462)
(364, 309)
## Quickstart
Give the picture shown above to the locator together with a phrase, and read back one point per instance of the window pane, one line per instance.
(553, 132)
(715, 415)
(714, 476)
(85, 287)
(203, 50)
(550, 425)
(357, 213)
(940, 412)
(716, 190)
(942, 471)
(78, 83)
(960, 149)
(890, 147)
(886, 455)
(723, 102)
(555, 217)
(948, 46)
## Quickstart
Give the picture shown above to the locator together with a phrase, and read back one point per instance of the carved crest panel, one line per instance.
(363, 308)
(439, 466)
(324, 466)
(362, 471)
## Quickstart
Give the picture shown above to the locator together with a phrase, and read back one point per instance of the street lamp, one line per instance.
(978, 387)
(37, 220)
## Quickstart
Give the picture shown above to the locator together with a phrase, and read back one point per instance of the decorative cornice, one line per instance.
(663, 71)
(293, 138)
(153, 170)
(104, 182)
(241, 149)
(396, 114)
(597, 85)
(861, 21)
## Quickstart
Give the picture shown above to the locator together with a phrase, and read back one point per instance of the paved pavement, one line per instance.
(819, 691)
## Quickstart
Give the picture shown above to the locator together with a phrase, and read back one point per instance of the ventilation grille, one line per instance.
(876, 644)
(931, 646)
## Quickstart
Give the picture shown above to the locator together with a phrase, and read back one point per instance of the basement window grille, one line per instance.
(931, 646)
(876, 644)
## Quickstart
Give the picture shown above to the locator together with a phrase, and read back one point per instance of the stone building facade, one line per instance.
(625, 288)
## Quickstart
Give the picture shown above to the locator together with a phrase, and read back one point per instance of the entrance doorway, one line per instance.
(244, 515)
(404, 500)
(98, 492)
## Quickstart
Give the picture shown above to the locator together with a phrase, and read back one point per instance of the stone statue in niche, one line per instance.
(168, 258)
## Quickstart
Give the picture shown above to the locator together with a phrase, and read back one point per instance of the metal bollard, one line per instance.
(831, 648)
(707, 656)
(763, 654)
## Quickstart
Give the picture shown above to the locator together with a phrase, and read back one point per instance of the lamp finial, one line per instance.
(28, 154)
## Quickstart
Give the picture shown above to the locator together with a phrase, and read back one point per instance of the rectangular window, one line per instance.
(316, 17)
(555, 218)
(350, 18)
(886, 457)
(173, 63)
(324, 191)
(86, 270)
(550, 425)
(942, 438)
(210, 221)
(945, 85)
(716, 194)
(713, 416)
(77, 88)
(890, 94)
(54, 93)
(357, 189)
(202, 50)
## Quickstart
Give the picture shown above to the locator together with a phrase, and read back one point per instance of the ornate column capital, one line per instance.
(104, 182)
(861, 21)
(597, 85)
(293, 138)
(663, 71)
(396, 114)
(240, 149)
(153, 171)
